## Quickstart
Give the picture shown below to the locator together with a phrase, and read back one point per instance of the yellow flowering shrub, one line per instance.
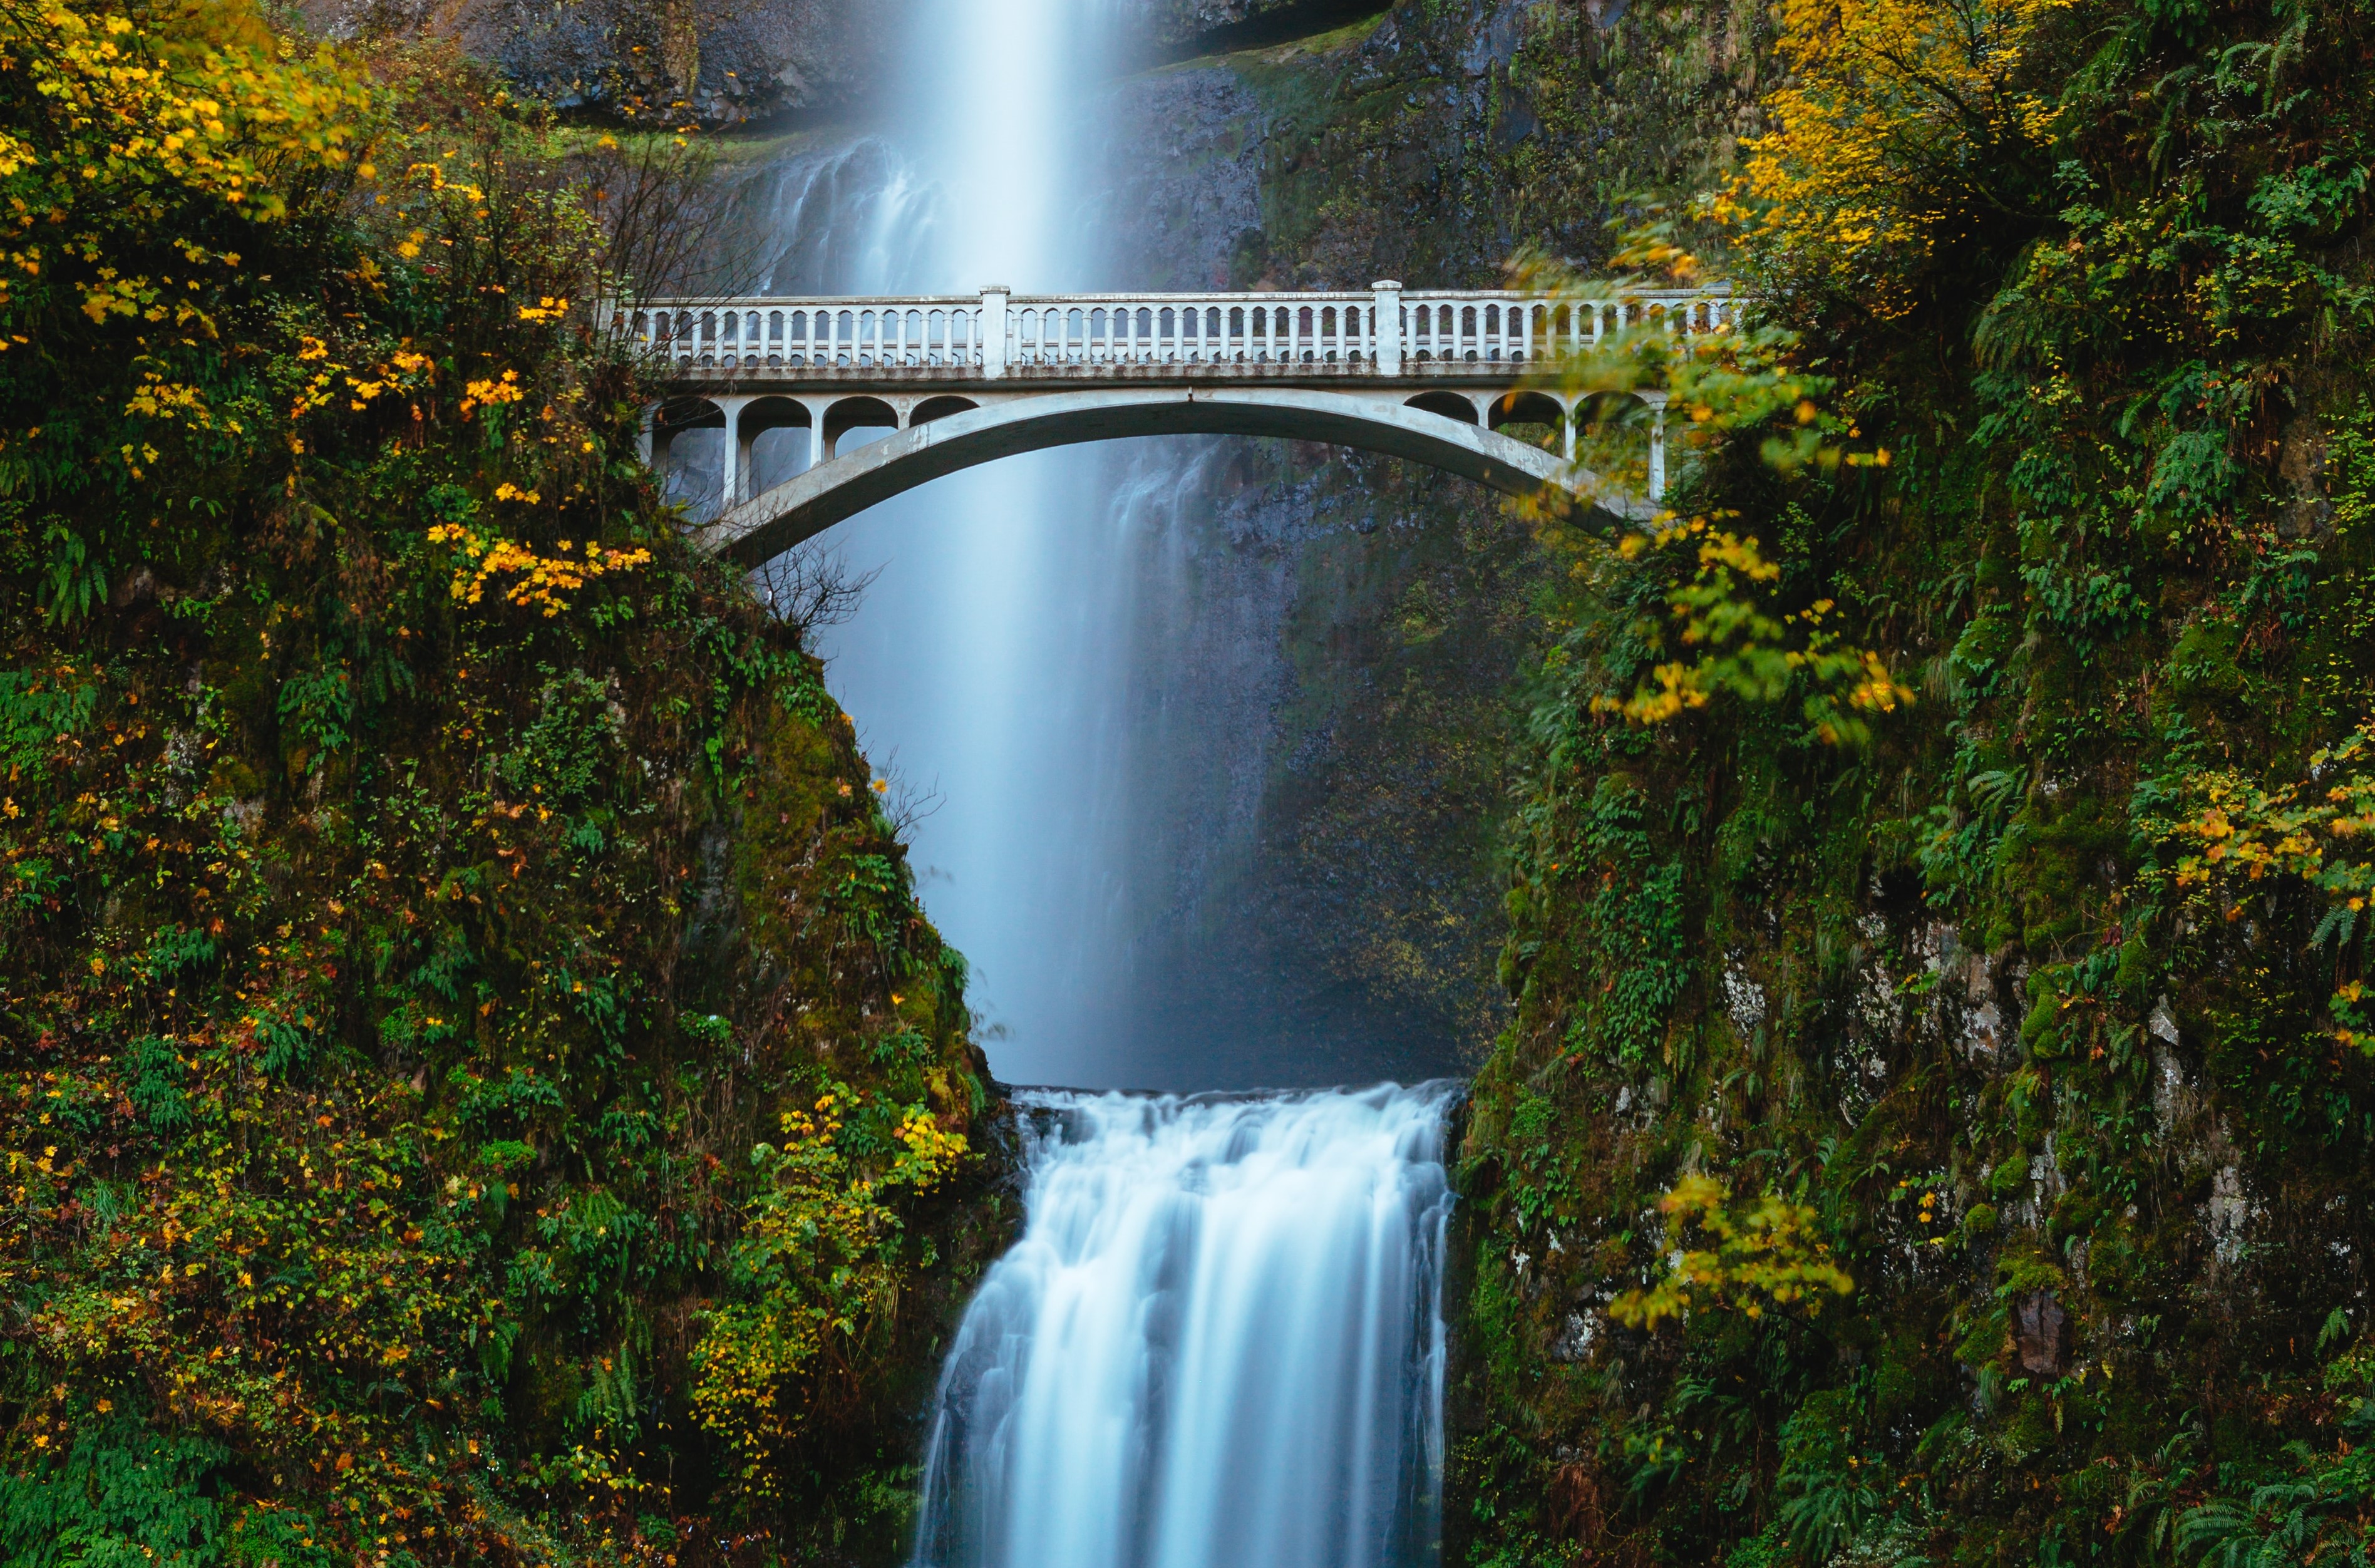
(492, 391)
(1732, 639)
(1888, 111)
(1757, 1255)
(2320, 831)
(821, 1252)
(231, 121)
(536, 581)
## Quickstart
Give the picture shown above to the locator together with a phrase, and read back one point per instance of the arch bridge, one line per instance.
(891, 392)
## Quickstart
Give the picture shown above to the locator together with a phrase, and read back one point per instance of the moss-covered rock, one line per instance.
(446, 921)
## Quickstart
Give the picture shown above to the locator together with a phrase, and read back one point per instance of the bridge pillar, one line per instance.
(1388, 295)
(1657, 402)
(816, 407)
(658, 440)
(735, 482)
(644, 434)
(1567, 427)
(994, 297)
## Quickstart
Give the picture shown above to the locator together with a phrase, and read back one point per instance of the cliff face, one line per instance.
(714, 64)
(1326, 855)
(479, 1085)
(720, 64)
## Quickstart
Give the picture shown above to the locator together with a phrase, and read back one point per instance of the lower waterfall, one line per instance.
(1219, 1342)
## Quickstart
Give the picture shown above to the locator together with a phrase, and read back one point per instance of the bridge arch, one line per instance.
(934, 440)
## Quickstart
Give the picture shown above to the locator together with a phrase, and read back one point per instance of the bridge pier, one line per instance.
(1657, 402)
(737, 449)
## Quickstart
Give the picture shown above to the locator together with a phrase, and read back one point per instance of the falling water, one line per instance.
(990, 663)
(843, 219)
(1220, 1339)
(1219, 1342)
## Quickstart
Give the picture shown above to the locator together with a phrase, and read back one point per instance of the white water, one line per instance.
(1218, 1344)
(989, 665)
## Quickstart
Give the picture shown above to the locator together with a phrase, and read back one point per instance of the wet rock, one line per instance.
(2230, 1214)
(2040, 1334)
(1176, 30)
(1183, 191)
(711, 63)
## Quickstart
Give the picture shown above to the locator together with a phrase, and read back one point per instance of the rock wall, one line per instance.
(711, 63)
(1327, 885)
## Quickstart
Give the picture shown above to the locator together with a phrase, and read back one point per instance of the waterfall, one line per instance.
(990, 665)
(849, 219)
(1218, 1343)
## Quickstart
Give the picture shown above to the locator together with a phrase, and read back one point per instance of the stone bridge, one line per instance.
(892, 391)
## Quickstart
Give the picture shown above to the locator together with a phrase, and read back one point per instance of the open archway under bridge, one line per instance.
(957, 381)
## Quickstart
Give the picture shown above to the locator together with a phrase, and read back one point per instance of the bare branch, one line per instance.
(812, 587)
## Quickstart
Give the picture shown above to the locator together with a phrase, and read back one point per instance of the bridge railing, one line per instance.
(1385, 330)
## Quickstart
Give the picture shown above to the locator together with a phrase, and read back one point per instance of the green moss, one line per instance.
(1878, 971)
(401, 979)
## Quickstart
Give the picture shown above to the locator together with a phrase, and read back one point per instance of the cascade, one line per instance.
(1220, 1337)
(1217, 1342)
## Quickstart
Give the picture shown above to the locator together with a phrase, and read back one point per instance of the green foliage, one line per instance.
(115, 1493)
(2036, 1006)
(424, 882)
(1760, 1255)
